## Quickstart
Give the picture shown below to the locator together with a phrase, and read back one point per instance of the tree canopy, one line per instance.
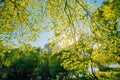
(85, 45)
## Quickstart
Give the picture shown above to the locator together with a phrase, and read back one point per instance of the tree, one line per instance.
(18, 19)
(107, 34)
(101, 44)
(86, 37)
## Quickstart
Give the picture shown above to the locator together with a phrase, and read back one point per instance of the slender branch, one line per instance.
(93, 71)
(66, 11)
(91, 26)
(45, 9)
(83, 7)
(91, 20)
(70, 19)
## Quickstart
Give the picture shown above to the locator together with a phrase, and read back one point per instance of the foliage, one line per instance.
(16, 63)
(17, 22)
(85, 38)
(99, 48)
(26, 64)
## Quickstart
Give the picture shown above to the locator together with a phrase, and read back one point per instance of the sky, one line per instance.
(43, 38)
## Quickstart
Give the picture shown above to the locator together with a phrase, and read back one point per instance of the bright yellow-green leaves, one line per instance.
(97, 35)
(106, 18)
(109, 13)
(111, 10)
(63, 15)
(83, 37)
(18, 21)
(13, 14)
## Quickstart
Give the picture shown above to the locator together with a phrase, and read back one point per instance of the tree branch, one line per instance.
(93, 71)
